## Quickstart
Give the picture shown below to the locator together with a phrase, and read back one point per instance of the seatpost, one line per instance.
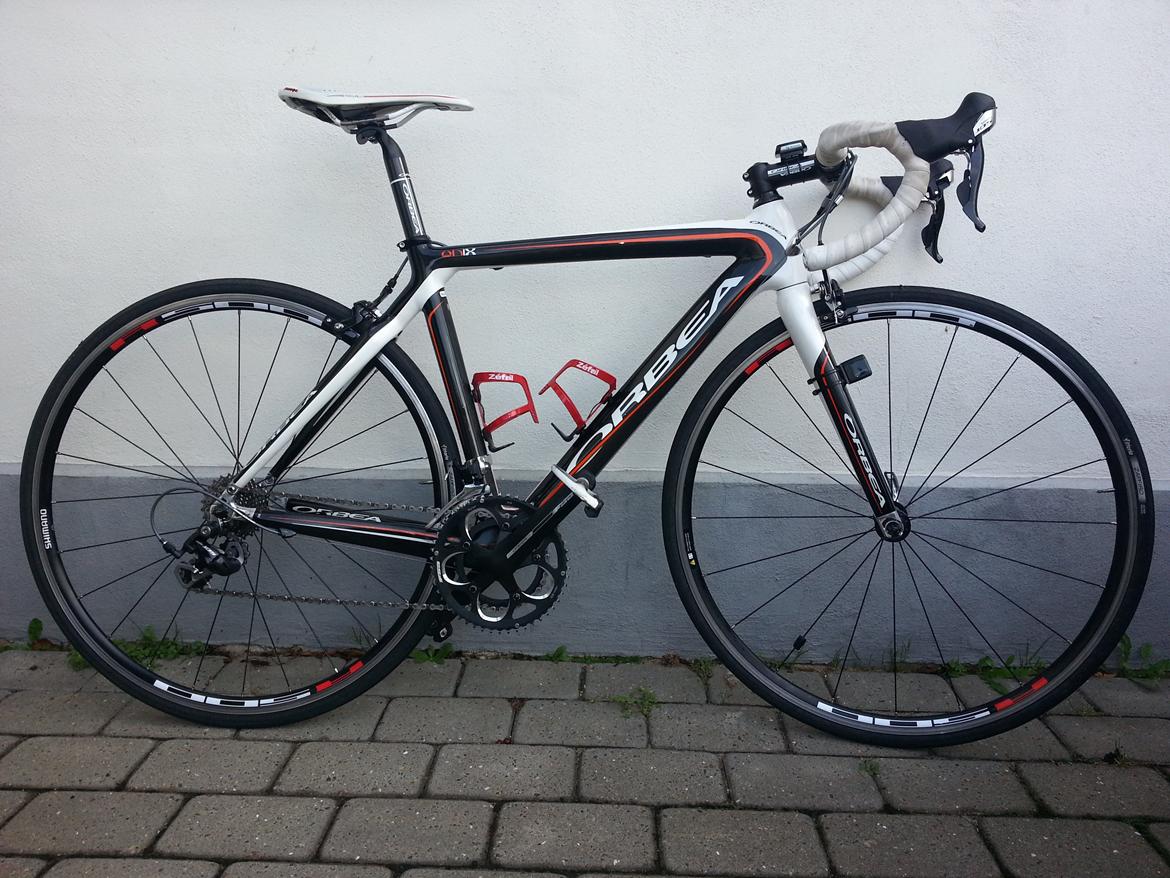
(400, 183)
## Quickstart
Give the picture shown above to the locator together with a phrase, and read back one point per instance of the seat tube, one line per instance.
(800, 319)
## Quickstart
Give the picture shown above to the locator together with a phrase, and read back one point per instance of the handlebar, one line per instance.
(919, 145)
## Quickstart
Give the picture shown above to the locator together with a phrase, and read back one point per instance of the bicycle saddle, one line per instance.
(931, 139)
(350, 111)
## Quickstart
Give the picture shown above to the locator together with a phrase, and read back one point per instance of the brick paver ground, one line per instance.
(489, 768)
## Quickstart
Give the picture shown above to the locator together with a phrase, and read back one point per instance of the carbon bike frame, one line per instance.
(756, 245)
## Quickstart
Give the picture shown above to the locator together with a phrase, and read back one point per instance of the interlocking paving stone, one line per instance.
(7, 742)
(481, 873)
(248, 828)
(1042, 848)
(58, 713)
(1029, 741)
(103, 868)
(446, 720)
(874, 691)
(211, 766)
(1161, 831)
(896, 845)
(652, 777)
(503, 771)
(353, 721)
(555, 835)
(807, 740)
(1143, 739)
(579, 724)
(804, 783)
(72, 763)
(726, 842)
(10, 802)
(356, 769)
(409, 831)
(667, 683)
(708, 727)
(432, 679)
(1120, 697)
(64, 823)
(513, 678)
(304, 870)
(1099, 790)
(137, 720)
(44, 671)
(20, 867)
(975, 692)
(949, 786)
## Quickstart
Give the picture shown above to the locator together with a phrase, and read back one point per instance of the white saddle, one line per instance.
(351, 111)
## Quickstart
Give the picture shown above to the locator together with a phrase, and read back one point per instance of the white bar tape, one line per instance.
(831, 149)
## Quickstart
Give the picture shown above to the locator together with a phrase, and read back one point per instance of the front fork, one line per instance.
(804, 327)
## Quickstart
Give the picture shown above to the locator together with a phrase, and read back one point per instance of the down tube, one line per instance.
(604, 436)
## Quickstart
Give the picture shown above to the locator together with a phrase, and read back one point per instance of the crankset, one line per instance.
(476, 578)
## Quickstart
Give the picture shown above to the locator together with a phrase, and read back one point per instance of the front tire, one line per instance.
(990, 695)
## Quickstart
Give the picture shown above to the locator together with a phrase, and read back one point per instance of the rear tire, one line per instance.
(129, 329)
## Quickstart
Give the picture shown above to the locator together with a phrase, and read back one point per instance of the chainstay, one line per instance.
(308, 599)
(369, 505)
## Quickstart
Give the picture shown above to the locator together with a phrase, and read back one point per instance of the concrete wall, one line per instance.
(143, 146)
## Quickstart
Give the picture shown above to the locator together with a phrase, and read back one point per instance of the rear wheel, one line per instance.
(1030, 527)
(151, 416)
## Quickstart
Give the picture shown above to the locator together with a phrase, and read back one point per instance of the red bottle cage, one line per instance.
(503, 378)
(579, 421)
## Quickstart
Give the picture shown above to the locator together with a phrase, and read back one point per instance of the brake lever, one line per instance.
(968, 190)
(941, 174)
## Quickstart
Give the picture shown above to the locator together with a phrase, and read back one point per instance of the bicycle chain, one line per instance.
(334, 601)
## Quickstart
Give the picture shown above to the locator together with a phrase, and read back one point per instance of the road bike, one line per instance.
(245, 505)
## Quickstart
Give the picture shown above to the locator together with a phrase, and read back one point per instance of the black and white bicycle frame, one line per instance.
(758, 245)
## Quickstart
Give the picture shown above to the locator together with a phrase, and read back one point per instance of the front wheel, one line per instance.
(1030, 535)
(143, 426)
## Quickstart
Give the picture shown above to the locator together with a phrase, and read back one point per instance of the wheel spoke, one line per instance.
(150, 424)
(1024, 484)
(966, 615)
(789, 552)
(784, 488)
(332, 418)
(808, 417)
(304, 618)
(800, 578)
(304, 460)
(1007, 558)
(141, 597)
(125, 575)
(857, 619)
(177, 491)
(165, 533)
(264, 386)
(131, 469)
(189, 477)
(191, 399)
(210, 630)
(970, 420)
(794, 453)
(929, 403)
(995, 449)
(356, 469)
(930, 542)
(320, 579)
(367, 570)
(215, 395)
(738, 517)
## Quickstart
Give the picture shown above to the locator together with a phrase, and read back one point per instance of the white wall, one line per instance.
(142, 145)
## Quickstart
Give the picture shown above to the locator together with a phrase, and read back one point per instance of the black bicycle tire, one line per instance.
(372, 671)
(747, 670)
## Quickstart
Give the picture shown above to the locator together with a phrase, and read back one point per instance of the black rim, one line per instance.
(240, 422)
(921, 556)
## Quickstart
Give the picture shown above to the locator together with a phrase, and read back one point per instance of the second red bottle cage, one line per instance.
(529, 406)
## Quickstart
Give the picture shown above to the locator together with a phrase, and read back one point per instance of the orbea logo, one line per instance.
(335, 513)
(861, 455)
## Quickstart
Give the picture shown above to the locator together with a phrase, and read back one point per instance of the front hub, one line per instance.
(893, 527)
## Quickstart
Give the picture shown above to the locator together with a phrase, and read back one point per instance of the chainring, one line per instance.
(480, 584)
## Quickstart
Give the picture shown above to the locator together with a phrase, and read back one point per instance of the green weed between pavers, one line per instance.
(1148, 668)
(869, 767)
(640, 700)
(146, 650)
(704, 668)
(433, 655)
